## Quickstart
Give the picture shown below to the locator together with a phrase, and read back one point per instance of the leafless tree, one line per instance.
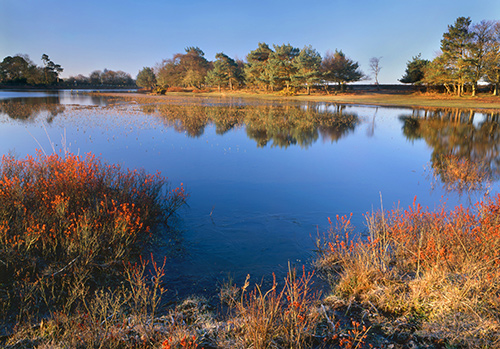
(375, 67)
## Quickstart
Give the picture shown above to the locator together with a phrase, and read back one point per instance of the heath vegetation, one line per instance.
(435, 272)
(69, 228)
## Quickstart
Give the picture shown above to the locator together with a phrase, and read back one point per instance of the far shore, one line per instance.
(485, 102)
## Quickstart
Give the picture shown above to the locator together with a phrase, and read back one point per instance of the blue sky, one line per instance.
(127, 35)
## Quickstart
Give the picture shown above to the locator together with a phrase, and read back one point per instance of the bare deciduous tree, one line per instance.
(375, 67)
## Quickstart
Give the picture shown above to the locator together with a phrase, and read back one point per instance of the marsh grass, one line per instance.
(290, 314)
(112, 317)
(438, 270)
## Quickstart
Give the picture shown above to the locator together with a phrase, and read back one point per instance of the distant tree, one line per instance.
(415, 70)
(436, 73)
(216, 76)
(281, 68)
(375, 68)
(96, 77)
(15, 69)
(230, 68)
(108, 77)
(146, 78)
(492, 70)
(51, 70)
(169, 72)
(123, 78)
(307, 65)
(117, 78)
(195, 67)
(254, 70)
(455, 45)
(479, 50)
(187, 69)
(225, 72)
(336, 67)
(79, 80)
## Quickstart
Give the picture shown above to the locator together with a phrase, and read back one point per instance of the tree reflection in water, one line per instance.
(27, 109)
(465, 145)
(280, 126)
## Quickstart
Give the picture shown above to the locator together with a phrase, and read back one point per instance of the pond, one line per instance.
(263, 176)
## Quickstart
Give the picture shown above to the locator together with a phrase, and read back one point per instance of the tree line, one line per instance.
(105, 77)
(21, 70)
(470, 54)
(280, 68)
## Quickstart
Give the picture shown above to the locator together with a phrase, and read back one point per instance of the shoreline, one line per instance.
(483, 102)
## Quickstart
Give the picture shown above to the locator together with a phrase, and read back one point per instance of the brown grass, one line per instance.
(439, 270)
(382, 98)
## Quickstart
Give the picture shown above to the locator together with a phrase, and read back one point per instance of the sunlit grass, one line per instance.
(438, 270)
(401, 99)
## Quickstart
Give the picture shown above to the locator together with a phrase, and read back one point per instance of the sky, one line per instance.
(87, 35)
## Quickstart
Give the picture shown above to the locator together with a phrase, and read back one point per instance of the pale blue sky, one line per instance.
(127, 35)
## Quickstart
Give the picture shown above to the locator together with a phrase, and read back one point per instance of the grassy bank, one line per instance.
(381, 98)
(429, 275)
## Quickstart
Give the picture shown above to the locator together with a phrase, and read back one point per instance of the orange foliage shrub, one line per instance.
(62, 219)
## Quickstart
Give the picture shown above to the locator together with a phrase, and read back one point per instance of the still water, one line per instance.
(263, 176)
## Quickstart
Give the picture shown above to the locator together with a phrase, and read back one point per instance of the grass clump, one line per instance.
(67, 226)
(290, 315)
(276, 318)
(440, 271)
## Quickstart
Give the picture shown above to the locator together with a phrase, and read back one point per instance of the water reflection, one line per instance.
(465, 145)
(27, 109)
(277, 126)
